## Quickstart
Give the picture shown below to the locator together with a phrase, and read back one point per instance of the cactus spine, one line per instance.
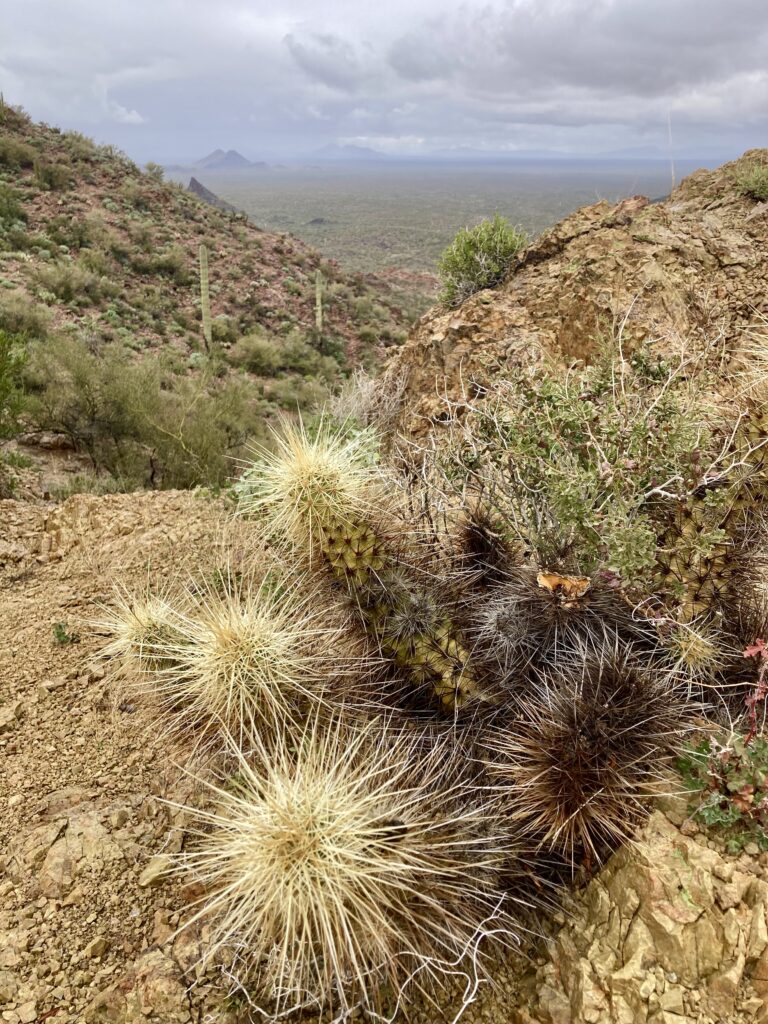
(205, 299)
(320, 492)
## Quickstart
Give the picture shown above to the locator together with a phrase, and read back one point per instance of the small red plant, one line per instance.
(759, 651)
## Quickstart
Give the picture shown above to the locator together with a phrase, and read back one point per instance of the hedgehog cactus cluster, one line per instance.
(413, 729)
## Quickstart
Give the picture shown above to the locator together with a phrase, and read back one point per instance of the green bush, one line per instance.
(53, 177)
(12, 357)
(171, 262)
(136, 422)
(257, 354)
(80, 148)
(71, 282)
(16, 154)
(11, 209)
(478, 258)
(572, 464)
(75, 232)
(22, 317)
(154, 171)
(753, 181)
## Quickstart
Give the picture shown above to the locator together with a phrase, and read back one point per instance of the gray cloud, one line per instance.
(328, 59)
(170, 79)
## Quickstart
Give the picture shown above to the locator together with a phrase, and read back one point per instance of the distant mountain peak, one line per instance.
(220, 160)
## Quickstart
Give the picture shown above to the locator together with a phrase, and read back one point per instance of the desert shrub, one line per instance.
(578, 463)
(13, 117)
(80, 148)
(136, 422)
(11, 208)
(142, 235)
(52, 177)
(22, 317)
(98, 263)
(135, 195)
(478, 258)
(72, 282)
(255, 353)
(296, 393)
(171, 262)
(12, 356)
(753, 181)
(16, 154)
(224, 329)
(74, 232)
(154, 171)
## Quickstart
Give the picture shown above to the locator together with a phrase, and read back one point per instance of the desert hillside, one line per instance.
(100, 292)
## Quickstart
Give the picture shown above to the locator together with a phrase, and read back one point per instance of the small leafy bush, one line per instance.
(138, 423)
(53, 177)
(727, 777)
(80, 148)
(753, 181)
(11, 208)
(581, 465)
(171, 262)
(16, 154)
(22, 317)
(478, 258)
(74, 283)
(12, 357)
(257, 354)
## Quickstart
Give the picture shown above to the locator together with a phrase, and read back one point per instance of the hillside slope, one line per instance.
(692, 267)
(99, 266)
(90, 209)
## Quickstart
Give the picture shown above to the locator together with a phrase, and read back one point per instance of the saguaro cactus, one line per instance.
(205, 299)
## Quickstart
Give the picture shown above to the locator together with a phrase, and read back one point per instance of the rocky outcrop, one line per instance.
(198, 189)
(694, 266)
(670, 932)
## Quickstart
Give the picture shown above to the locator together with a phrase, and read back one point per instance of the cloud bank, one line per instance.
(171, 79)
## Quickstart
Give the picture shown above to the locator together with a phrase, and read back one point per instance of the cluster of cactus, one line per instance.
(411, 731)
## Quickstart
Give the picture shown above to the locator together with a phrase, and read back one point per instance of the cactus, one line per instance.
(205, 299)
(319, 304)
(321, 493)
(347, 859)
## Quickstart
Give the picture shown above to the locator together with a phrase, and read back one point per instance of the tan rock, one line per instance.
(154, 872)
(152, 990)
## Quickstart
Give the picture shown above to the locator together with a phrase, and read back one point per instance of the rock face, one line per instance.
(693, 266)
(670, 932)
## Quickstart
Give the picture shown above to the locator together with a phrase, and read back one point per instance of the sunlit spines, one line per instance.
(347, 859)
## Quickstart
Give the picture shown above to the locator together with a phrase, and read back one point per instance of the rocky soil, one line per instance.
(672, 931)
(691, 270)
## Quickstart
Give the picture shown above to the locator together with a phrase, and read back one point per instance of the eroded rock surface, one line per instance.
(670, 932)
(694, 266)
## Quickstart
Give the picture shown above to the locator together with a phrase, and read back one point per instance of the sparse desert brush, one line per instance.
(340, 860)
(586, 751)
(478, 258)
(324, 493)
(752, 181)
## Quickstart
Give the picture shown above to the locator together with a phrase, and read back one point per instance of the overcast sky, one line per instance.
(173, 79)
